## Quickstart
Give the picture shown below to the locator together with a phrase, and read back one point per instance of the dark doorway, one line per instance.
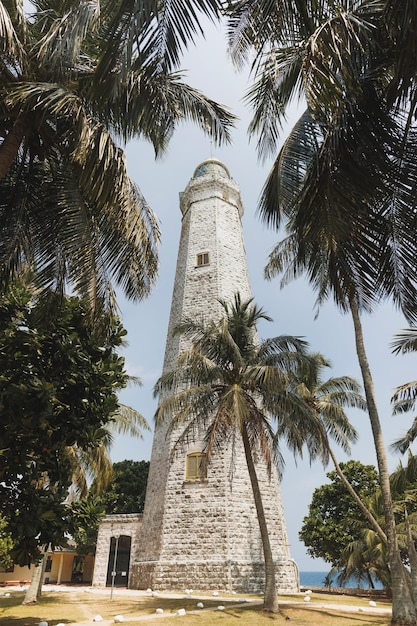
(119, 560)
(77, 569)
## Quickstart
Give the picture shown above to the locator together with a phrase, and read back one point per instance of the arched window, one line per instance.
(196, 466)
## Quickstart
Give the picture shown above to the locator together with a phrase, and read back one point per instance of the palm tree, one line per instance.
(76, 77)
(92, 463)
(327, 400)
(366, 558)
(404, 400)
(227, 382)
(405, 396)
(344, 180)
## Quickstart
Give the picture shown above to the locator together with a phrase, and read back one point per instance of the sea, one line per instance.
(316, 579)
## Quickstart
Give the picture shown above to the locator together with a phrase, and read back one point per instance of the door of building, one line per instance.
(119, 561)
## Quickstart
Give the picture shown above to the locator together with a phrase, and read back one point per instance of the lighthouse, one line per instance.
(200, 528)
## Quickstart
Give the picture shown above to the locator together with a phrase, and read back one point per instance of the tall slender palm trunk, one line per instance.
(371, 519)
(403, 609)
(270, 594)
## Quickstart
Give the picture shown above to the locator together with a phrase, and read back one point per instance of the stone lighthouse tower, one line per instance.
(200, 528)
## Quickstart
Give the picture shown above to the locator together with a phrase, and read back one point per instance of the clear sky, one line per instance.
(292, 308)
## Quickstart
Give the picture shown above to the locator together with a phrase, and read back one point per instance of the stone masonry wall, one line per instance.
(205, 534)
(111, 525)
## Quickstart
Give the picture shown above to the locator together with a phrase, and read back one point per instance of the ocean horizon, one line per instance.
(316, 579)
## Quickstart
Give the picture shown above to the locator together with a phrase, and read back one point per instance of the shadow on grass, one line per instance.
(354, 618)
(10, 620)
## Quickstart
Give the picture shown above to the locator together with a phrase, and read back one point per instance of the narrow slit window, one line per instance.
(203, 258)
(196, 466)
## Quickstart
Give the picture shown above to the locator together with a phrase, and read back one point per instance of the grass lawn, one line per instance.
(76, 607)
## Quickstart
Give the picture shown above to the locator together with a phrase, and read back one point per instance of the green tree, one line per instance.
(59, 378)
(331, 521)
(76, 77)
(365, 559)
(123, 492)
(227, 382)
(127, 488)
(6, 544)
(84, 509)
(338, 531)
(344, 179)
(85, 516)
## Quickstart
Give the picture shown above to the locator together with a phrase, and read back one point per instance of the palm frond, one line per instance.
(405, 341)
(11, 48)
(128, 421)
(61, 45)
(403, 444)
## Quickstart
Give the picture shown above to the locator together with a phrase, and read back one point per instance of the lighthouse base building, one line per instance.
(200, 529)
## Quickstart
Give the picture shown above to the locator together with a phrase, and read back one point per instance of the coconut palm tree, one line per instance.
(228, 383)
(75, 79)
(94, 463)
(327, 400)
(332, 270)
(344, 181)
(405, 396)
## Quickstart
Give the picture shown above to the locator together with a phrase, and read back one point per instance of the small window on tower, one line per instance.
(203, 259)
(196, 466)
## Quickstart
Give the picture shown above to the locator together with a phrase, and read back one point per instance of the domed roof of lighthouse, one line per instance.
(211, 167)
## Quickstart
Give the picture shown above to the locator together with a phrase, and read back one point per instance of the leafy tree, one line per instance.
(337, 531)
(124, 493)
(85, 516)
(227, 383)
(127, 489)
(331, 521)
(77, 77)
(344, 182)
(59, 378)
(6, 544)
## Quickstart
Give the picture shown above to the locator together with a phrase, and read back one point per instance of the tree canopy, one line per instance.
(77, 78)
(343, 184)
(331, 523)
(127, 489)
(59, 378)
(125, 493)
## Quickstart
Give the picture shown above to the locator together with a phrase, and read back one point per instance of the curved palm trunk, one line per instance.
(270, 594)
(403, 609)
(10, 146)
(371, 519)
(34, 590)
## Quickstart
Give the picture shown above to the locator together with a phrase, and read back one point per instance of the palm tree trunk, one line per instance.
(270, 593)
(34, 590)
(10, 146)
(371, 519)
(403, 609)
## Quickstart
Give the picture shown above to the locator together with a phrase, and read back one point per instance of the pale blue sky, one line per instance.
(291, 308)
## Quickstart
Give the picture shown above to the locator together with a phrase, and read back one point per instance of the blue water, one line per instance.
(312, 579)
(315, 579)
